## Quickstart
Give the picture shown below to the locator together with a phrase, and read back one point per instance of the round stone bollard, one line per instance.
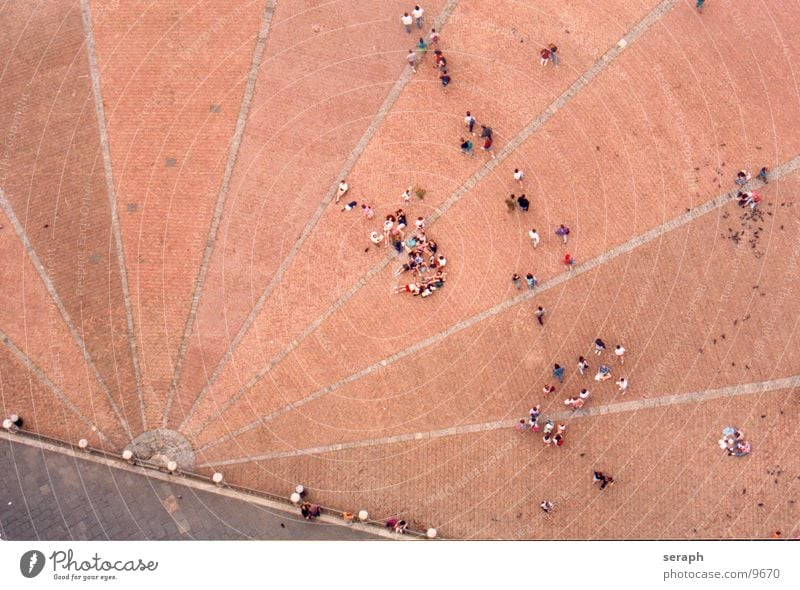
(363, 515)
(83, 444)
(217, 478)
(295, 498)
(8, 424)
(127, 454)
(431, 533)
(172, 466)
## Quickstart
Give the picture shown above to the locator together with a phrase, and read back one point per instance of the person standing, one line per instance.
(563, 232)
(699, 6)
(511, 203)
(599, 346)
(539, 313)
(407, 21)
(434, 38)
(406, 196)
(762, 174)
(582, 365)
(486, 131)
(470, 121)
(515, 281)
(534, 236)
(422, 49)
(343, 188)
(531, 280)
(544, 56)
(558, 372)
(554, 54)
(622, 383)
(411, 58)
(522, 201)
(487, 147)
(620, 352)
(368, 212)
(417, 14)
(568, 261)
(445, 80)
(518, 176)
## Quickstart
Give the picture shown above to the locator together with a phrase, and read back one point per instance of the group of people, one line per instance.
(423, 257)
(734, 443)
(749, 198)
(467, 146)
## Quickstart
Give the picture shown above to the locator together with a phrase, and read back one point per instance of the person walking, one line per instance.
(522, 201)
(486, 131)
(434, 38)
(762, 175)
(622, 383)
(518, 176)
(599, 346)
(548, 389)
(470, 121)
(487, 147)
(531, 280)
(558, 372)
(406, 196)
(511, 203)
(539, 313)
(699, 6)
(603, 479)
(411, 58)
(407, 22)
(466, 146)
(343, 188)
(568, 261)
(582, 365)
(534, 236)
(422, 49)
(554, 54)
(544, 56)
(515, 280)
(367, 211)
(563, 232)
(619, 351)
(445, 80)
(417, 14)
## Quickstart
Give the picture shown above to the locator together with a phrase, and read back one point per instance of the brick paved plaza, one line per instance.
(177, 280)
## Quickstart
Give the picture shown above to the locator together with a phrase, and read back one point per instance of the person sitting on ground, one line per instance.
(742, 177)
(412, 288)
(375, 238)
(401, 218)
(603, 373)
(575, 403)
(400, 527)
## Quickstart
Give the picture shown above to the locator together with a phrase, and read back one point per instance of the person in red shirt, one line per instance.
(544, 54)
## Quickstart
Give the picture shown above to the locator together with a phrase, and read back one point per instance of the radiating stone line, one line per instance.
(94, 71)
(624, 248)
(5, 205)
(600, 65)
(352, 159)
(31, 366)
(631, 406)
(211, 240)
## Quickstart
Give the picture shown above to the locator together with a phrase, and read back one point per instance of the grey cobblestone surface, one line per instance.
(46, 495)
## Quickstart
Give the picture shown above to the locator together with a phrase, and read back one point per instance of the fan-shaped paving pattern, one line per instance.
(224, 299)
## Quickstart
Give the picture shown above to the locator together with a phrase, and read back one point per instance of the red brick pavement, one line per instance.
(661, 131)
(52, 175)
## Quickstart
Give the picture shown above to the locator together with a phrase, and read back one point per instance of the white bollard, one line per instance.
(363, 515)
(83, 444)
(295, 498)
(431, 533)
(172, 466)
(127, 454)
(217, 478)
(8, 425)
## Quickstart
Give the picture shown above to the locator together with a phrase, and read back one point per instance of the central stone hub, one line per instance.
(162, 446)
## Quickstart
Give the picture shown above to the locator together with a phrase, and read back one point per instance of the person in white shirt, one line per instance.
(623, 385)
(406, 196)
(417, 14)
(620, 352)
(342, 190)
(534, 236)
(518, 176)
(407, 21)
